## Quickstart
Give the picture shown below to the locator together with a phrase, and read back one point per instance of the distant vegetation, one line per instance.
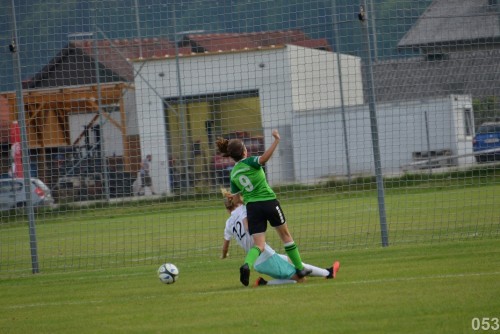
(486, 109)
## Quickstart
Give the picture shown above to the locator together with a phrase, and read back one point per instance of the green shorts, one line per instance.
(274, 265)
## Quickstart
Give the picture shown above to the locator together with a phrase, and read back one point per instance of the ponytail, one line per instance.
(222, 144)
(233, 148)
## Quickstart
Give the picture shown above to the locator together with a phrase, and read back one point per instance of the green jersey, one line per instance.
(249, 179)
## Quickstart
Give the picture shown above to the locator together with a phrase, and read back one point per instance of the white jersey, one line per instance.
(269, 262)
(236, 229)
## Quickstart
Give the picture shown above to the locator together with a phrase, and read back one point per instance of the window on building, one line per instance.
(468, 123)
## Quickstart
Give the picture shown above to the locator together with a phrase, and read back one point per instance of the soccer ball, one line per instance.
(168, 273)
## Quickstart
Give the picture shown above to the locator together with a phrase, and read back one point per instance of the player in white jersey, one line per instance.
(269, 262)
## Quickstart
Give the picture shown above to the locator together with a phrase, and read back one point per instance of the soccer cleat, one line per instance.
(244, 274)
(333, 270)
(336, 267)
(301, 273)
(260, 281)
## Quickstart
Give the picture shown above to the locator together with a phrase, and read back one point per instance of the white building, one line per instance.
(298, 92)
(287, 80)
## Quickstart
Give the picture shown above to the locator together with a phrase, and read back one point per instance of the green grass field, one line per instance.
(399, 289)
(150, 232)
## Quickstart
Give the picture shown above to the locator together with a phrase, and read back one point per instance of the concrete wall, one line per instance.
(315, 79)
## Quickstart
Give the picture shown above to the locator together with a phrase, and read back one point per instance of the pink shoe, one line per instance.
(333, 270)
(336, 267)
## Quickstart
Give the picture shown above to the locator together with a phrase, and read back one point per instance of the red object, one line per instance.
(15, 141)
(39, 192)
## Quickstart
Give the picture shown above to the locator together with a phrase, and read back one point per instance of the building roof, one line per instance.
(75, 63)
(253, 40)
(452, 22)
(460, 41)
(474, 72)
(115, 54)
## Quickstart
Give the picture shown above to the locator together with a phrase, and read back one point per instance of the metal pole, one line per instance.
(182, 117)
(182, 107)
(374, 30)
(428, 141)
(102, 151)
(368, 70)
(138, 26)
(14, 47)
(339, 68)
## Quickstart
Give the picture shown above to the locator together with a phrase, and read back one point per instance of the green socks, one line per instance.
(291, 250)
(293, 253)
(252, 256)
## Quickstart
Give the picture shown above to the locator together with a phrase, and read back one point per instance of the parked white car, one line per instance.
(12, 193)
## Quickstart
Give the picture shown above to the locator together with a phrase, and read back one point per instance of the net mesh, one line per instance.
(388, 113)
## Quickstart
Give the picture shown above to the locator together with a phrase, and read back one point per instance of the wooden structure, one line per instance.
(47, 114)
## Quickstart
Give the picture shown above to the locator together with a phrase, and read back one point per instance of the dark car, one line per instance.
(91, 187)
(486, 142)
(78, 188)
(222, 166)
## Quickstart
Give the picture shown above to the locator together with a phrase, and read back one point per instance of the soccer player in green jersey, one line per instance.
(249, 179)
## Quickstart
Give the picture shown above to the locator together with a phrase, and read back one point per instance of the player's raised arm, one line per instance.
(269, 152)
